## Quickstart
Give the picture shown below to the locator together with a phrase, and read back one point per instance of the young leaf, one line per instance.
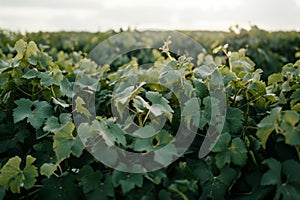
(65, 143)
(12, 177)
(79, 107)
(20, 47)
(48, 169)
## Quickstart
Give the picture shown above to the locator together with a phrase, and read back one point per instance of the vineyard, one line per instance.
(47, 137)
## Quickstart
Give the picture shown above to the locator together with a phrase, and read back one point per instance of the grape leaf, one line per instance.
(230, 151)
(60, 102)
(65, 143)
(50, 78)
(2, 192)
(32, 73)
(191, 112)
(79, 107)
(213, 187)
(145, 132)
(36, 112)
(233, 120)
(295, 97)
(275, 78)
(89, 179)
(267, 126)
(48, 169)
(53, 123)
(143, 144)
(31, 50)
(273, 176)
(12, 177)
(285, 189)
(20, 47)
(160, 105)
(127, 181)
(59, 188)
(165, 155)
(289, 121)
(66, 88)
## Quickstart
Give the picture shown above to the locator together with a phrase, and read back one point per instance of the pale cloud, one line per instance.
(93, 15)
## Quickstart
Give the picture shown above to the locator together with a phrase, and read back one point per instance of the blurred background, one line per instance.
(102, 15)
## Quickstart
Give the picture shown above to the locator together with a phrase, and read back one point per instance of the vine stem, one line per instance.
(146, 117)
(24, 92)
(60, 170)
(29, 194)
(298, 151)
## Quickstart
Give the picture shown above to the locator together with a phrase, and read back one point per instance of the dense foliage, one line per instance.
(256, 156)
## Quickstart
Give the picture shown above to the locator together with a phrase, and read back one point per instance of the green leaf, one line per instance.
(117, 133)
(285, 189)
(296, 107)
(163, 138)
(273, 176)
(79, 107)
(23, 110)
(239, 62)
(93, 185)
(32, 73)
(36, 112)
(233, 120)
(214, 187)
(13, 178)
(235, 152)
(204, 71)
(191, 112)
(140, 104)
(143, 144)
(20, 47)
(127, 181)
(66, 87)
(165, 155)
(201, 90)
(275, 78)
(267, 126)
(145, 132)
(50, 78)
(32, 50)
(60, 188)
(156, 177)
(289, 120)
(48, 169)
(89, 179)
(60, 102)
(65, 143)
(2, 192)
(239, 152)
(53, 123)
(160, 105)
(295, 97)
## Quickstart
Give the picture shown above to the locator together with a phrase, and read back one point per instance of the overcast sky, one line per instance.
(95, 15)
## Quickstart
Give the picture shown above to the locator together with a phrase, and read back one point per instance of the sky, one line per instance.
(101, 15)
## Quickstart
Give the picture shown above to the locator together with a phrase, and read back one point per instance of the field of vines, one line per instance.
(256, 156)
